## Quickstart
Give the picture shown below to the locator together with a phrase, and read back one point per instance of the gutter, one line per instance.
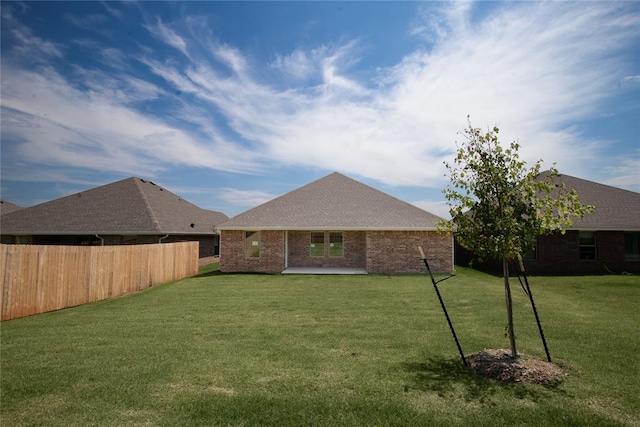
(323, 228)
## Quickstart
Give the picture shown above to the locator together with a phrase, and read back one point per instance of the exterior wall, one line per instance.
(209, 244)
(394, 252)
(232, 258)
(298, 246)
(384, 252)
(560, 254)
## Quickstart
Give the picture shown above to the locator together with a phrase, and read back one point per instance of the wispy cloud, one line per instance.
(26, 42)
(167, 35)
(535, 69)
(631, 82)
(244, 198)
(531, 69)
(97, 128)
(297, 64)
(626, 171)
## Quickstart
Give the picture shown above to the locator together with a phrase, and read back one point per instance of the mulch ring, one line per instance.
(500, 365)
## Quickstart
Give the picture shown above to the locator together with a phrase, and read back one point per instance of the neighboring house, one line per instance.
(8, 207)
(130, 211)
(330, 224)
(606, 241)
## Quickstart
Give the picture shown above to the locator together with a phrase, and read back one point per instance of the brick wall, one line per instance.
(560, 254)
(386, 252)
(354, 251)
(232, 257)
(394, 252)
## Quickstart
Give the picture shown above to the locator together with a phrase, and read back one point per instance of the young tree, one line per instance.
(498, 207)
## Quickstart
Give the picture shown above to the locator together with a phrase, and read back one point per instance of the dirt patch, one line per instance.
(500, 365)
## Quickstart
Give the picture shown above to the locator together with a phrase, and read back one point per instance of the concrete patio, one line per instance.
(317, 270)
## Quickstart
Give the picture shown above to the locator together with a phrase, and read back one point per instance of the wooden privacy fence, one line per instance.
(37, 279)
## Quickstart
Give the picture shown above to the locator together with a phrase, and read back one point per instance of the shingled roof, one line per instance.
(615, 208)
(8, 207)
(129, 206)
(335, 202)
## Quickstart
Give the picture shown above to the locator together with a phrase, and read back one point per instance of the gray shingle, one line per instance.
(8, 207)
(615, 208)
(335, 202)
(129, 206)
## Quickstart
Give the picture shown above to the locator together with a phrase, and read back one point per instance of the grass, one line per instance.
(259, 350)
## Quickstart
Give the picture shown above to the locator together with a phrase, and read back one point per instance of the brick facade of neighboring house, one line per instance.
(607, 241)
(376, 233)
(560, 254)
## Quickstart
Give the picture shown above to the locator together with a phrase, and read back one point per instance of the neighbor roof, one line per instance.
(335, 202)
(8, 207)
(130, 206)
(615, 208)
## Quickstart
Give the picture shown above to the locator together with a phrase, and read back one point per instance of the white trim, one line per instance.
(286, 249)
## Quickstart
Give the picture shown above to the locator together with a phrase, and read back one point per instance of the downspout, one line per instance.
(163, 237)
(101, 239)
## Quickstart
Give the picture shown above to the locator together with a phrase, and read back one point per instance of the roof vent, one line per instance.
(142, 180)
(192, 225)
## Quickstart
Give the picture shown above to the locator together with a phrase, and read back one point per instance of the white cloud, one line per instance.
(630, 82)
(30, 44)
(532, 68)
(436, 207)
(626, 172)
(231, 57)
(244, 198)
(529, 69)
(163, 33)
(297, 64)
(67, 126)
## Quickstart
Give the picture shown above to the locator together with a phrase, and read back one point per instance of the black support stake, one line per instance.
(435, 286)
(533, 306)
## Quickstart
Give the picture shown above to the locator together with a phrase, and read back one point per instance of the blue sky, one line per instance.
(230, 104)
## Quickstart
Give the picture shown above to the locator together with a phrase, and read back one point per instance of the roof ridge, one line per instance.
(384, 193)
(138, 183)
(588, 181)
(335, 201)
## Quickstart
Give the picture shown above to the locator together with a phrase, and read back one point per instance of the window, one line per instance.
(336, 248)
(317, 245)
(632, 246)
(321, 247)
(587, 245)
(252, 244)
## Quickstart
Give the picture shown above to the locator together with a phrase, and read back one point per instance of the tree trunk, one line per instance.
(507, 293)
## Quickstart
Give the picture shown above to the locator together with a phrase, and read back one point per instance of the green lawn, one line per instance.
(256, 350)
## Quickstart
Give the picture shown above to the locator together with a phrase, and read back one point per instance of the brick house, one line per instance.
(330, 224)
(606, 241)
(127, 212)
